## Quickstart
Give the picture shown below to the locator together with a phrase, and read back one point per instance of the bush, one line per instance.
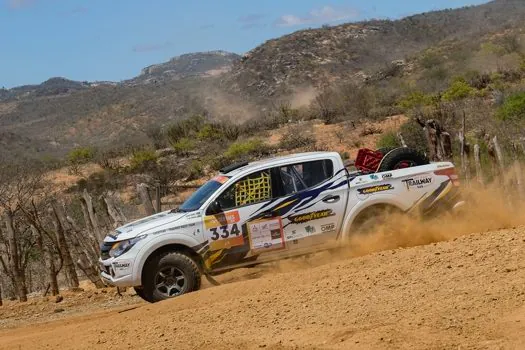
(370, 130)
(184, 128)
(209, 133)
(108, 160)
(388, 140)
(344, 155)
(195, 170)
(81, 155)
(183, 146)
(294, 138)
(414, 136)
(458, 90)
(143, 159)
(230, 131)
(431, 60)
(243, 149)
(513, 107)
(416, 99)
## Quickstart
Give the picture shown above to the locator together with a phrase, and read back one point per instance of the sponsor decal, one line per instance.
(194, 215)
(375, 189)
(316, 215)
(387, 176)
(418, 182)
(374, 177)
(227, 243)
(328, 227)
(221, 219)
(266, 235)
(175, 228)
(309, 229)
(120, 266)
(223, 231)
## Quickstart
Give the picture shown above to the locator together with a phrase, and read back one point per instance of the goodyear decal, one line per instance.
(375, 189)
(302, 218)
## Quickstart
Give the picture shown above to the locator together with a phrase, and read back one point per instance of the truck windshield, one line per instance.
(202, 194)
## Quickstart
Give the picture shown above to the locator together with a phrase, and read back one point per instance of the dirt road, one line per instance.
(466, 293)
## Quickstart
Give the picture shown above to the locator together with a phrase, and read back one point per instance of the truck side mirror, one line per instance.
(214, 208)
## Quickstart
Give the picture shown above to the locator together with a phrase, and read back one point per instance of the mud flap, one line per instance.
(211, 280)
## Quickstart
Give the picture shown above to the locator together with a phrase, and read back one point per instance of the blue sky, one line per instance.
(113, 39)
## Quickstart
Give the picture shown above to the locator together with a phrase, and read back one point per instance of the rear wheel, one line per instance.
(140, 292)
(169, 275)
(373, 218)
(402, 157)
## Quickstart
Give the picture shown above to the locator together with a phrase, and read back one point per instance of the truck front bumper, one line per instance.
(117, 273)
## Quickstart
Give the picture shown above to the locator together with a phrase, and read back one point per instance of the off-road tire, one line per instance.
(394, 158)
(178, 260)
(385, 150)
(140, 292)
(369, 220)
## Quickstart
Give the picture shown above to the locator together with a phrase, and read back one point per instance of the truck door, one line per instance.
(316, 200)
(227, 231)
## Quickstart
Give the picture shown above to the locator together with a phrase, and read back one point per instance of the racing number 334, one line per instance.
(224, 232)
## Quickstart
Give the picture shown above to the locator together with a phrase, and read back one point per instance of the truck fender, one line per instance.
(384, 199)
(157, 243)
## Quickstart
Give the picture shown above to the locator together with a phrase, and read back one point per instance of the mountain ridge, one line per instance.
(60, 114)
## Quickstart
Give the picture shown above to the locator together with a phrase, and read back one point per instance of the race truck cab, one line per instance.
(252, 213)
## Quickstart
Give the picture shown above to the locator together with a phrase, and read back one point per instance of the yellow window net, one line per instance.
(253, 190)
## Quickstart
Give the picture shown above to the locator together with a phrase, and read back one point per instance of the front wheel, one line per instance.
(169, 275)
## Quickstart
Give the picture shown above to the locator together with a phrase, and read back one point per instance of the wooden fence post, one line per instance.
(464, 152)
(157, 198)
(92, 216)
(479, 172)
(499, 155)
(85, 265)
(145, 198)
(517, 171)
(439, 142)
(401, 139)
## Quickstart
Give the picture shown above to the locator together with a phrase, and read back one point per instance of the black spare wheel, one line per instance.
(402, 157)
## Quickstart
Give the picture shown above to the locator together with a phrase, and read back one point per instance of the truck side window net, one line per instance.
(251, 189)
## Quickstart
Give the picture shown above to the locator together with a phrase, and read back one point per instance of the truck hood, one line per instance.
(145, 225)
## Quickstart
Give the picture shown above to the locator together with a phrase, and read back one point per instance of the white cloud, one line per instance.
(326, 14)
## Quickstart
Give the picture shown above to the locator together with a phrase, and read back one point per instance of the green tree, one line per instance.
(458, 90)
(513, 107)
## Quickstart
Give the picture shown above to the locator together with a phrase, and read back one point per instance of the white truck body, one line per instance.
(272, 209)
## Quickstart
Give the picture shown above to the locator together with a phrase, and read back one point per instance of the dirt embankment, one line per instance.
(449, 291)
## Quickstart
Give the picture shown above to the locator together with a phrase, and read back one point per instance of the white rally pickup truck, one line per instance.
(262, 211)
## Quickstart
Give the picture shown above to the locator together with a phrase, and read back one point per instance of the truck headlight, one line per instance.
(121, 247)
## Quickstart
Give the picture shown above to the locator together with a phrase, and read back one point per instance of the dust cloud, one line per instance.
(302, 97)
(486, 209)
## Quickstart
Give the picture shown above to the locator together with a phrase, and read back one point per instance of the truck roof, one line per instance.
(276, 161)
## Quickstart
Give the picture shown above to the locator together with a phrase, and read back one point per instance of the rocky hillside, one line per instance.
(60, 114)
(317, 57)
(51, 87)
(201, 64)
(52, 117)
